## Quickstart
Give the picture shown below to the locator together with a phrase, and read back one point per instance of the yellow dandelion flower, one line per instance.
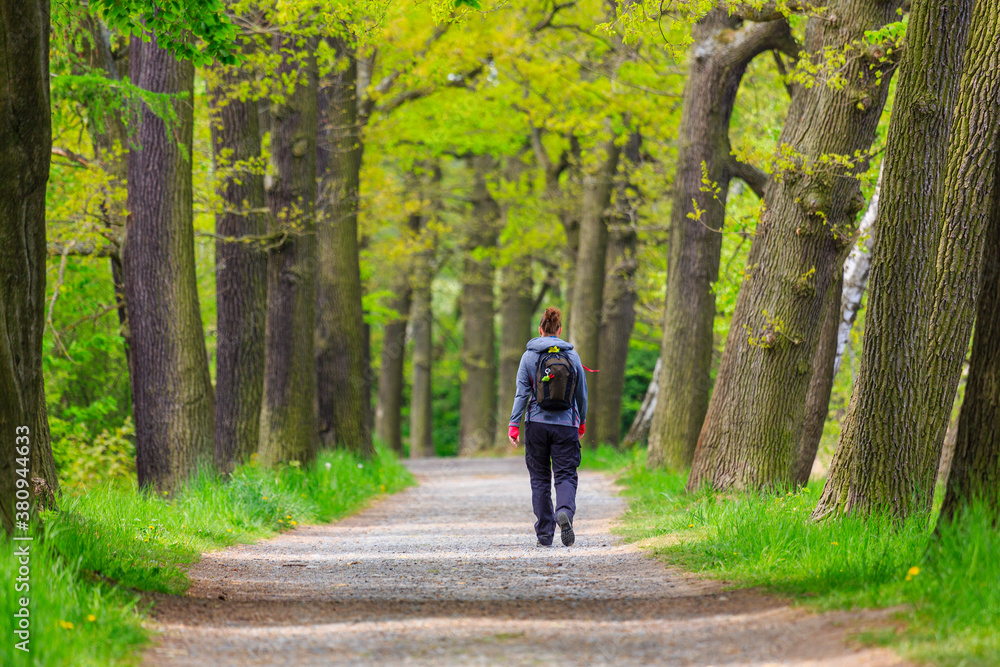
(229, 530)
(265, 497)
(65, 625)
(913, 571)
(281, 521)
(294, 523)
(833, 543)
(690, 525)
(91, 618)
(288, 516)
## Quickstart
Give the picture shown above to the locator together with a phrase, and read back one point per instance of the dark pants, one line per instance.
(560, 445)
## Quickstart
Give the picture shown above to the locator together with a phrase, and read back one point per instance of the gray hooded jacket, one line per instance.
(525, 397)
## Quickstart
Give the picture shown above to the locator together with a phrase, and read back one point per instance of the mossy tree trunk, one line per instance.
(421, 327)
(719, 59)
(25, 147)
(388, 411)
(619, 301)
(753, 424)
(877, 464)
(341, 336)
(975, 462)
(172, 396)
(479, 389)
(288, 424)
(240, 269)
(586, 304)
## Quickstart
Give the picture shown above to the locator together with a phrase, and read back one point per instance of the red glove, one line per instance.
(513, 432)
(583, 427)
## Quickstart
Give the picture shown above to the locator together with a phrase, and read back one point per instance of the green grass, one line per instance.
(106, 544)
(948, 584)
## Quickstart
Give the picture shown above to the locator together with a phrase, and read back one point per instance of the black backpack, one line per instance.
(555, 380)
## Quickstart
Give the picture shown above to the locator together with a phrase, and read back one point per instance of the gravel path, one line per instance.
(447, 573)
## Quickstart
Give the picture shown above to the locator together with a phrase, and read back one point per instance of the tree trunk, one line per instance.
(421, 316)
(341, 345)
(25, 147)
(619, 299)
(719, 59)
(877, 463)
(639, 430)
(753, 425)
(856, 268)
(820, 386)
(288, 425)
(588, 284)
(968, 212)
(240, 269)
(516, 310)
(173, 404)
(975, 463)
(479, 390)
(388, 415)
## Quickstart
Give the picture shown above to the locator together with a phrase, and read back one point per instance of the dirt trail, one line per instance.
(448, 573)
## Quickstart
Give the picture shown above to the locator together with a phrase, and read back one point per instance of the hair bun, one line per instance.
(551, 321)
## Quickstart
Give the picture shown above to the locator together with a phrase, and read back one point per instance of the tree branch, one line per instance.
(367, 106)
(749, 174)
(461, 81)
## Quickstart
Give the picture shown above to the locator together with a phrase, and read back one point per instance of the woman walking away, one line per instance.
(550, 384)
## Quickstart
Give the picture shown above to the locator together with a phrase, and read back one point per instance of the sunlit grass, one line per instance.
(107, 543)
(947, 583)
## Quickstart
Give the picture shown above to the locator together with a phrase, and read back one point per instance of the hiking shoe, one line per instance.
(565, 529)
(542, 544)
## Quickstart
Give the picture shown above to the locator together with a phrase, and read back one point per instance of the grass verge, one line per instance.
(107, 544)
(949, 582)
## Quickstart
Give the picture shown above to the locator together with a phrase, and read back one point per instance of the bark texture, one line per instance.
(341, 337)
(516, 310)
(967, 212)
(820, 386)
(975, 462)
(288, 425)
(719, 59)
(588, 283)
(479, 390)
(172, 399)
(240, 269)
(618, 302)
(877, 465)
(753, 424)
(388, 415)
(422, 319)
(25, 147)
(856, 269)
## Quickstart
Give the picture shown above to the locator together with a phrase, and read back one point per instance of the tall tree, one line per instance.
(288, 424)
(422, 319)
(618, 301)
(881, 432)
(341, 338)
(240, 266)
(479, 391)
(25, 146)
(842, 309)
(172, 396)
(720, 56)
(975, 464)
(589, 274)
(388, 413)
(754, 419)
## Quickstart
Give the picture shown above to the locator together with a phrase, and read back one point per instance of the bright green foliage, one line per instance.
(123, 539)
(177, 25)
